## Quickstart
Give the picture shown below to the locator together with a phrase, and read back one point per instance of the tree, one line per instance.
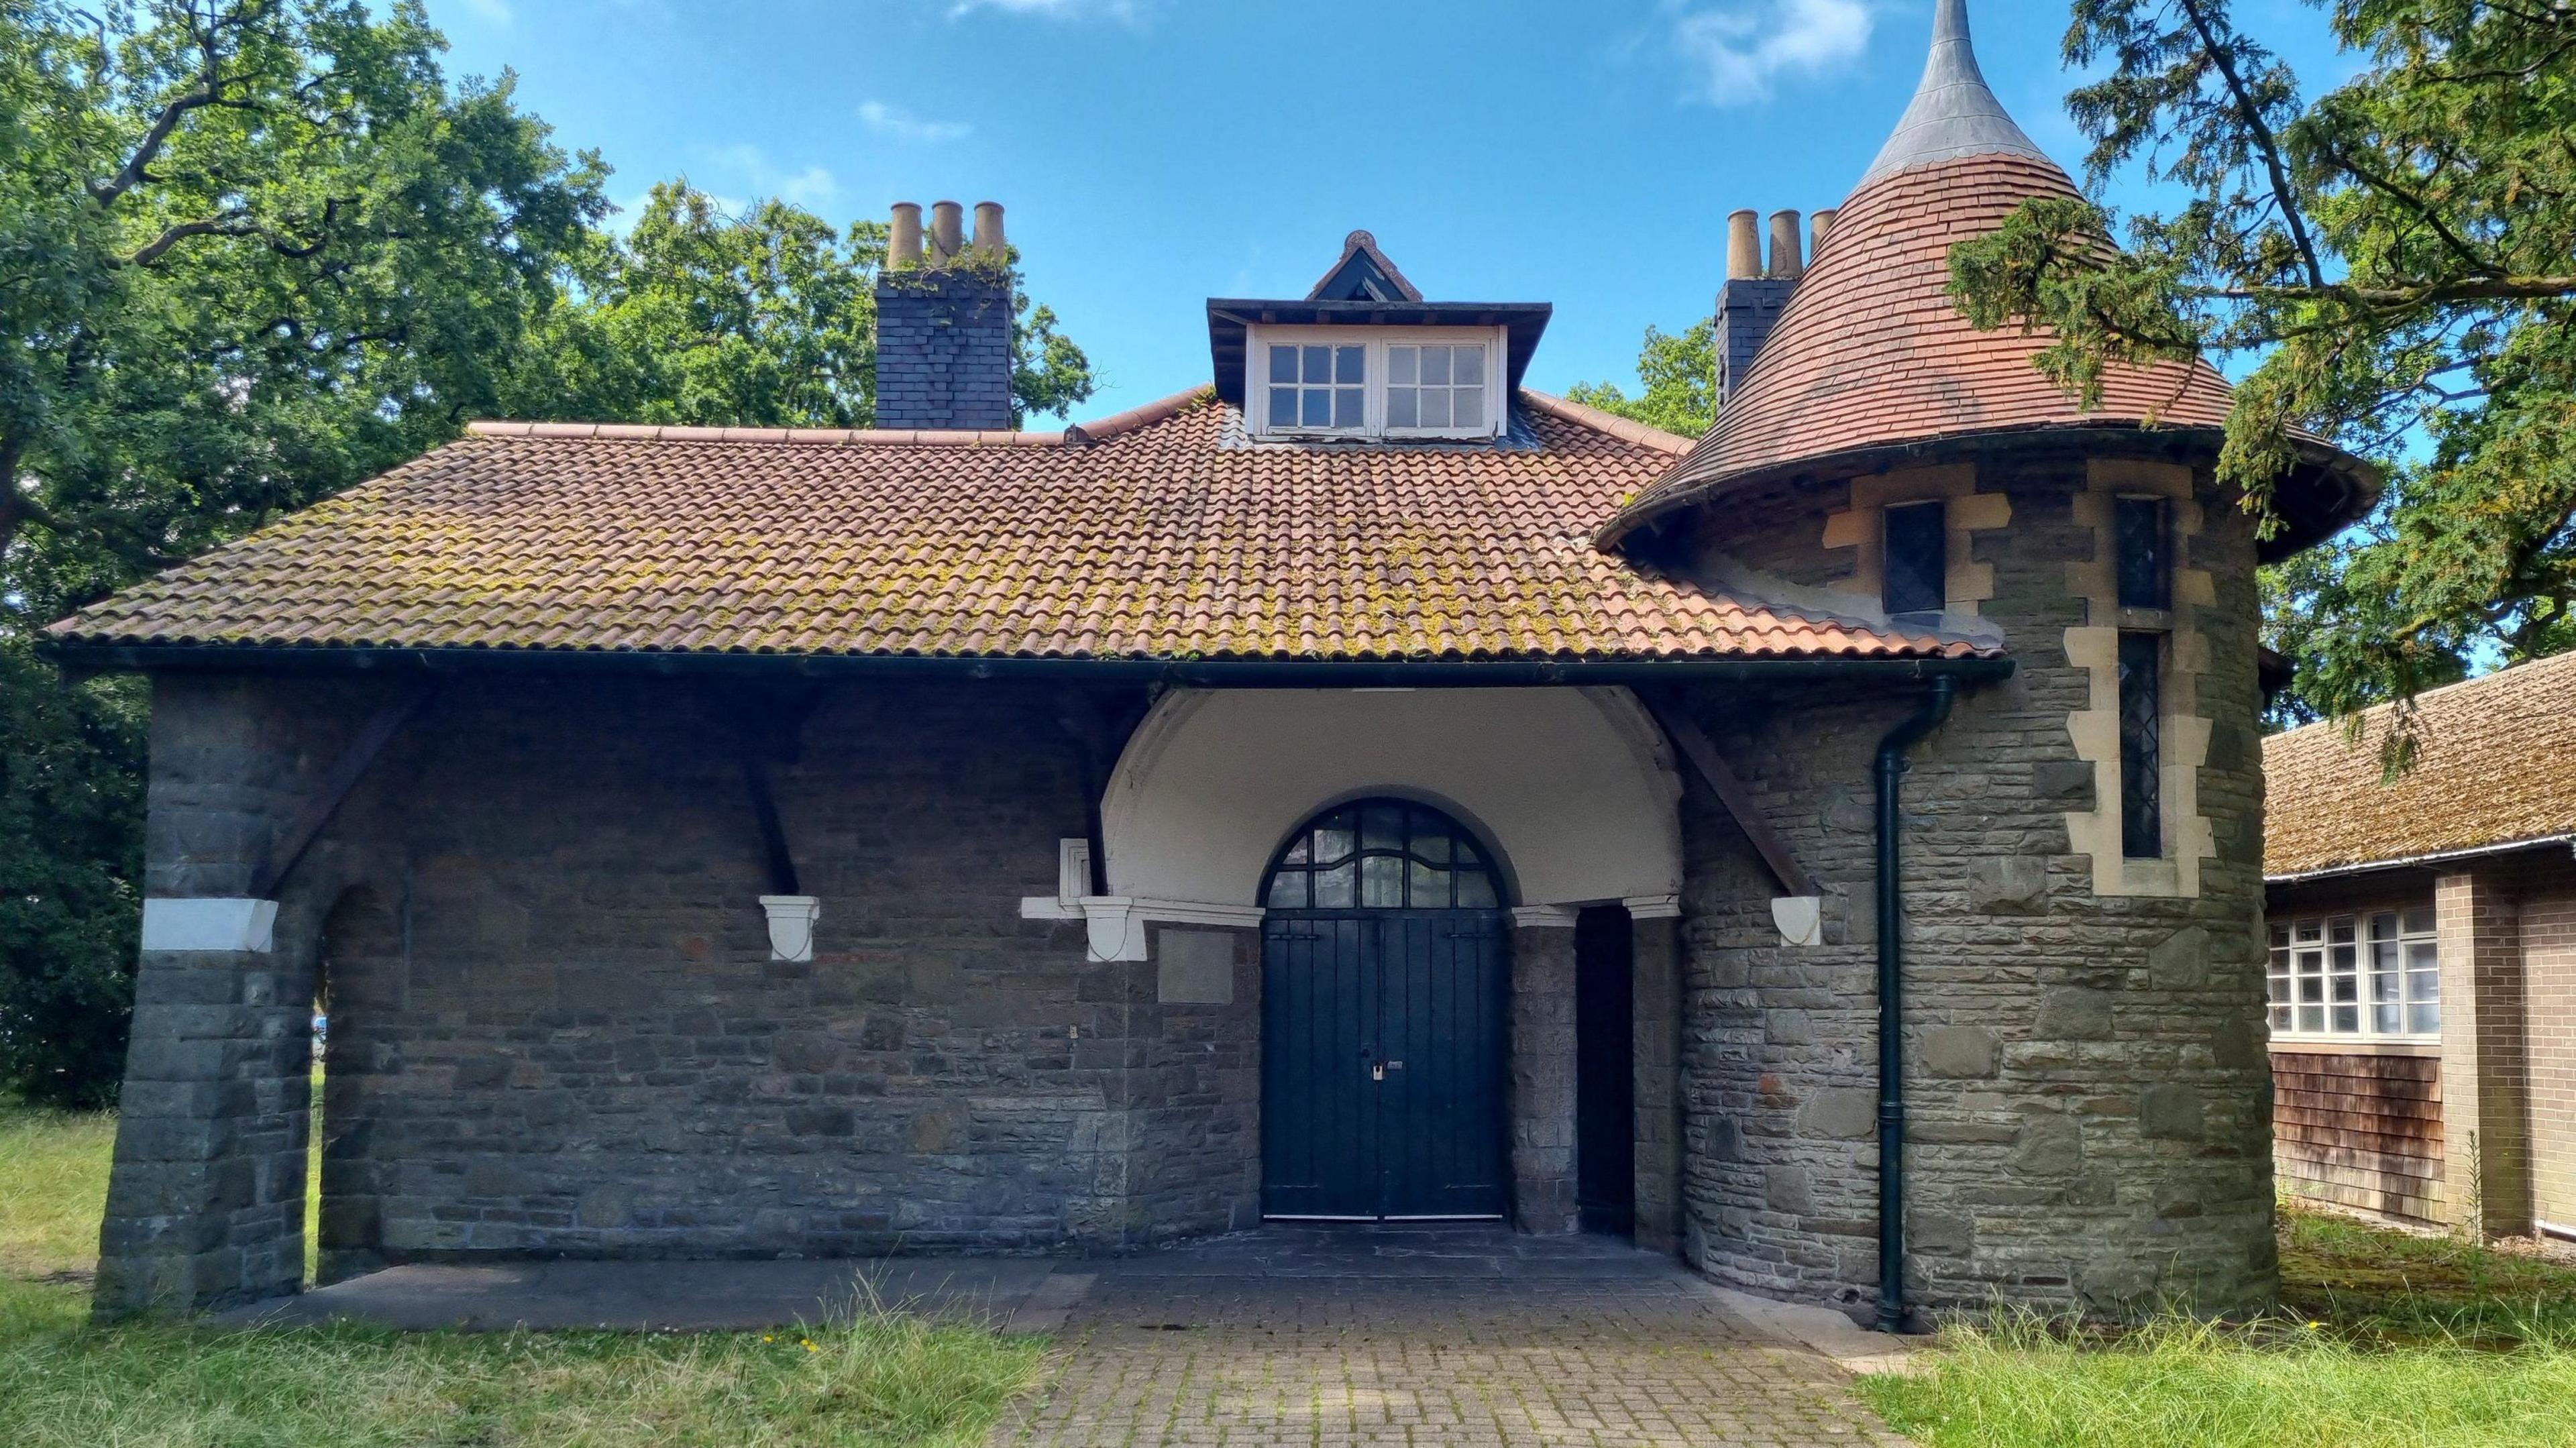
(251, 251)
(2394, 257)
(767, 319)
(1678, 373)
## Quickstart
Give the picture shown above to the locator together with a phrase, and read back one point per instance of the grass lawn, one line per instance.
(2385, 1339)
(65, 1384)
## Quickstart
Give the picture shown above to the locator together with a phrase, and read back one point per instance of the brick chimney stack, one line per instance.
(944, 322)
(1750, 300)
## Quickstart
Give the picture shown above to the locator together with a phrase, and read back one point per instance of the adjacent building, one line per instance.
(1355, 787)
(2422, 982)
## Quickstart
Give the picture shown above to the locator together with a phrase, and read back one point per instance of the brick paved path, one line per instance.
(1418, 1338)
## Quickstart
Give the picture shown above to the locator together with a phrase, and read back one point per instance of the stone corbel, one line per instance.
(791, 925)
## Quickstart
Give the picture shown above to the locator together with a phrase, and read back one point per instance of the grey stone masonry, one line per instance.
(944, 348)
(1542, 1077)
(557, 1029)
(2088, 1090)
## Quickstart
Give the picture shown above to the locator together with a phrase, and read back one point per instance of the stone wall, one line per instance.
(557, 1028)
(2088, 1088)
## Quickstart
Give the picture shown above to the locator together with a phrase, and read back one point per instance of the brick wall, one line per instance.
(2090, 1103)
(943, 349)
(2549, 966)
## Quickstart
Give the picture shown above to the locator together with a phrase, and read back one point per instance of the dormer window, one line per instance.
(1374, 382)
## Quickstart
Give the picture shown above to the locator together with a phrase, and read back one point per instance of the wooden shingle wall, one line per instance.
(2359, 1130)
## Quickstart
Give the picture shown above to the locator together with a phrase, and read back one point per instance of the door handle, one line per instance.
(1377, 1071)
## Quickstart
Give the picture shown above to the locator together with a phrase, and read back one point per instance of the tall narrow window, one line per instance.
(2142, 835)
(2142, 531)
(1917, 559)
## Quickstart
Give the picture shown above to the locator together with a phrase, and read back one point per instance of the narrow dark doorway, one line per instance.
(1605, 1071)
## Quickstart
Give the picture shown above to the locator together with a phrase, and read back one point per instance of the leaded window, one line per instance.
(1382, 854)
(2142, 537)
(2142, 835)
(1915, 576)
(2365, 976)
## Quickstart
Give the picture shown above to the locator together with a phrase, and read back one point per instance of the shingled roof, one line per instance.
(2497, 767)
(1871, 358)
(1162, 534)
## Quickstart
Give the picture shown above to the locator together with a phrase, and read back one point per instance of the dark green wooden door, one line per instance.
(1385, 973)
(1382, 1064)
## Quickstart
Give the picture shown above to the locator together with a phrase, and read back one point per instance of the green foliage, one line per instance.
(880, 1381)
(254, 251)
(767, 319)
(2394, 256)
(1679, 375)
(2386, 1338)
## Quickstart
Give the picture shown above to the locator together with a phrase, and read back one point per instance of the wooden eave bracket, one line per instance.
(1694, 746)
(333, 791)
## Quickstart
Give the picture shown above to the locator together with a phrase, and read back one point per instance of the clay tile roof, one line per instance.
(1871, 354)
(2497, 766)
(1159, 534)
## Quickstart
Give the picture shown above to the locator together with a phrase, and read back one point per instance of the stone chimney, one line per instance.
(944, 322)
(1754, 292)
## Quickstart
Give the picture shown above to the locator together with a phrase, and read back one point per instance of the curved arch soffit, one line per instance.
(1572, 791)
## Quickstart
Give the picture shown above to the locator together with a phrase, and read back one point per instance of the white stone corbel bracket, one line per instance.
(791, 925)
(1800, 919)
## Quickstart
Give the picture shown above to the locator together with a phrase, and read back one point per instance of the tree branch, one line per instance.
(231, 223)
(2265, 142)
(209, 91)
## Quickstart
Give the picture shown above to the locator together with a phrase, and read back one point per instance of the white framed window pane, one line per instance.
(2311, 930)
(2280, 935)
(1468, 407)
(1350, 365)
(1403, 365)
(2423, 955)
(1435, 366)
(1317, 410)
(1435, 407)
(2383, 926)
(2424, 1020)
(1403, 407)
(1468, 366)
(2340, 928)
(1283, 407)
(1347, 407)
(2312, 1018)
(2347, 1020)
(2419, 921)
(1319, 364)
(1283, 364)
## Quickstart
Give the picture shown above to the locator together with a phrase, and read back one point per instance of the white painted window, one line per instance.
(2368, 977)
(1397, 382)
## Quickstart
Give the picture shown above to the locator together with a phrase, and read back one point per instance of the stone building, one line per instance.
(2422, 972)
(1355, 787)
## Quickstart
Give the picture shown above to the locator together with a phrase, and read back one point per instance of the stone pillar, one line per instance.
(1542, 1046)
(205, 1201)
(1657, 954)
(2486, 1144)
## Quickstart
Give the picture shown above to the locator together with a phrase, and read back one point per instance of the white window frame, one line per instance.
(2307, 957)
(1260, 338)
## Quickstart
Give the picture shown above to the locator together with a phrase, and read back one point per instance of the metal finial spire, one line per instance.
(1953, 114)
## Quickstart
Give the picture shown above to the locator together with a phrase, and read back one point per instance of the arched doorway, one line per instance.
(1386, 968)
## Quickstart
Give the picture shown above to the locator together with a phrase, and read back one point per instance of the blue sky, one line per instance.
(1153, 153)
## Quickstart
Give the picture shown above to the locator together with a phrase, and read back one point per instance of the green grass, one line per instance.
(65, 1384)
(2386, 1340)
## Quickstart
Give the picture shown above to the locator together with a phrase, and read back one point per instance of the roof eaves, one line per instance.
(2402, 862)
(830, 436)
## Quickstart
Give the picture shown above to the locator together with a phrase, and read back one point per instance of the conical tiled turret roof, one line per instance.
(1871, 360)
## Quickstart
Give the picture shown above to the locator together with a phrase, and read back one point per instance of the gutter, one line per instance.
(2438, 857)
(1202, 673)
(1890, 770)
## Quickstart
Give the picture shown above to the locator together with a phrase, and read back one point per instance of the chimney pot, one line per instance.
(903, 238)
(1819, 226)
(947, 232)
(1743, 246)
(1784, 246)
(989, 241)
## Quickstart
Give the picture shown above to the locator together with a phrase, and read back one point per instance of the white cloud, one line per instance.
(1127, 10)
(892, 120)
(1738, 49)
(491, 12)
(812, 186)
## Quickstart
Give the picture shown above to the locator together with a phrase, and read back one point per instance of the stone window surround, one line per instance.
(1966, 583)
(2094, 646)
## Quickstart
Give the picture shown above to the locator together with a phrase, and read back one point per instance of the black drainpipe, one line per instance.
(1891, 1003)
